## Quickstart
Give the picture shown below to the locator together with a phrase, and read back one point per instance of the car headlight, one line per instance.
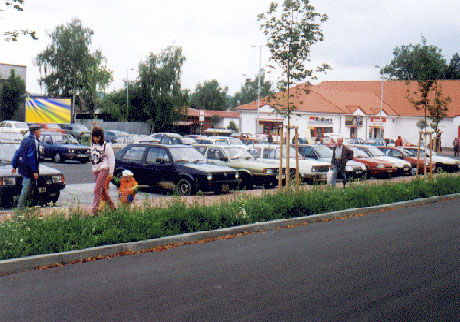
(58, 179)
(380, 166)
(209, 177)
(237, 175)
(8, 181)
(269, 171)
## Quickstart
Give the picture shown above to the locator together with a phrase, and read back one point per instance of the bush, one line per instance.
(27, 234)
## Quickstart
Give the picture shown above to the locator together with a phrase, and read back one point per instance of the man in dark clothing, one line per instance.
(341, 154)
(26, 160)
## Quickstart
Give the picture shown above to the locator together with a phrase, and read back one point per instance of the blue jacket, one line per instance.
(26, 157)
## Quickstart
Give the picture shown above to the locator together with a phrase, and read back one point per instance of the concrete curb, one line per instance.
(15, 265)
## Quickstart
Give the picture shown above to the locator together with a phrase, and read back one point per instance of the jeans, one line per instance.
(336, 171)
(25, 198)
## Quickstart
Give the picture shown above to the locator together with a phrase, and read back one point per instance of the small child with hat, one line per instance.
(128, 188)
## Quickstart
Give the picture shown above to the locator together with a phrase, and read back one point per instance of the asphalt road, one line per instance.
(399, 265)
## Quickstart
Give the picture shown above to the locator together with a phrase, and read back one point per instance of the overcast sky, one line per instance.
(217, 35)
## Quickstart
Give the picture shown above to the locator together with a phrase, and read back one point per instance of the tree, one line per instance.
(416, 62)
(13, 35)
(158, 91)
(248, 92)
(291, 32)
(232, 126)
(453, 70)
(209, 96)
(70, 69)
(11, 96)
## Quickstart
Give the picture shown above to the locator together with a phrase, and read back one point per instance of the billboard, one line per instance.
(48, 110)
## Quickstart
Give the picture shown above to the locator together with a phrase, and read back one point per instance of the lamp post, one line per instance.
(381, 103)
(258, 89)
(127, 96)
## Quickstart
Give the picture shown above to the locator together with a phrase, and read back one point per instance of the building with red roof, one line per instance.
(352, 109)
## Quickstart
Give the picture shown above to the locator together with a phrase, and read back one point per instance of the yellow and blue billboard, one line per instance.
(48, 110)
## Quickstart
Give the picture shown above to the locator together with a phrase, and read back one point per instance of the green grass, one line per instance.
(27, 234)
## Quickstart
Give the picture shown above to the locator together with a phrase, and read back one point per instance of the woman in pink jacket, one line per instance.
(103, 164)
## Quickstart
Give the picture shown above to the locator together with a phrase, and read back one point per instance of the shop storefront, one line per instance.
(353, 122)
(377, 127)
(270, 126)
(320, 126)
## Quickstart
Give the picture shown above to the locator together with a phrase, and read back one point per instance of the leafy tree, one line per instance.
(292, 30)
(453, 70)
(416, 62)
(70, 69)
(232, 126)
(11, 96)
(114, 106)
(13, 35)
(209, 96)
(157, 95)
(248, 91)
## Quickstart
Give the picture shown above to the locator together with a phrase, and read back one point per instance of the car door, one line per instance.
(47, 142)
(159, 166)
(133, 160)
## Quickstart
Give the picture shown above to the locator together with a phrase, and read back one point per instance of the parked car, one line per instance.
(440, 163)
(175, 140)
(158, 136)
(212, 140)
(178, 166)
(354, 169)
(310, 171)
(124, 140)
(76, 130)
(374, 141)
(353, 141)
(14, 126)
(400, 153)
(61, 147)
(52, 127)
(49, 184)
(11, 136)
(252, 172)
(111, 135)
(375, 167)
(403, 167)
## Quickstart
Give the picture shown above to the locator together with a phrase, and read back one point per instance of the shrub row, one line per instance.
(27, 234)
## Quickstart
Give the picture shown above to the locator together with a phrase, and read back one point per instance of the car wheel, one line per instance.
(438, 168)
(57, 158)
(185, 187)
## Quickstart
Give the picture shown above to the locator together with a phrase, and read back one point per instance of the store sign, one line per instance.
(353, 120)
(318, 120)
(377, 121)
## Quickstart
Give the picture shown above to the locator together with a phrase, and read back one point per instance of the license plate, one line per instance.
(225, 188)
(41, 189)
(82, 155)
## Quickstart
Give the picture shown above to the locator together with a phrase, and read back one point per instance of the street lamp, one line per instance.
(381, 103)
(127, 95)
(258, 88)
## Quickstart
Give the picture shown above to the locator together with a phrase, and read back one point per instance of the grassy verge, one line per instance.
(28, 234)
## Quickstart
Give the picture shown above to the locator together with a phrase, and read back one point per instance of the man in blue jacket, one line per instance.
(26, 160)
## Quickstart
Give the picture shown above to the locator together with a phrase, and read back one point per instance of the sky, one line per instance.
(220, 38)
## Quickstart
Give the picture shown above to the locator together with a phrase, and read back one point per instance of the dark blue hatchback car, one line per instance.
(178, 166)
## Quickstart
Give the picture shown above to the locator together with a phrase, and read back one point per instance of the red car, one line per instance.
(400, 154)
(375, 167)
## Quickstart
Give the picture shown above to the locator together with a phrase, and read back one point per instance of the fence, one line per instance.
(130, 127)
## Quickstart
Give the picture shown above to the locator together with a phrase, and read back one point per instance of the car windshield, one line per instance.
(274, 153)
(21, 125)
(7, 151)
(375, 151)
(323, 151)
(235, 140)
(413, 152)
(64, 139)
(221, 142)
(186, 154)
(358, 153)
(238, 153)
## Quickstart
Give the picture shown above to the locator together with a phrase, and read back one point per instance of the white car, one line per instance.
(403, 167)
(354, 169)
(14, 126)
(124, 140)
(441, 164)
(310, 171)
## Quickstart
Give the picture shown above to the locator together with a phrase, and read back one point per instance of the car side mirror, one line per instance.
(224, 158)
